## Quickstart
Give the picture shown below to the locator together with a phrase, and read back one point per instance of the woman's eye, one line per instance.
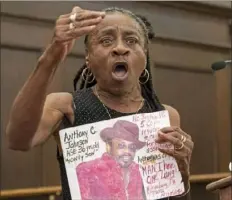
(106, 41)
(131, 40)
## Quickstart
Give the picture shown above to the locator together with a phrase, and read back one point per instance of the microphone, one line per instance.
(220, 65)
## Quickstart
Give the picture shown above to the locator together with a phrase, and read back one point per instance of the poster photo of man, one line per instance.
(115, 175)
(111, 160)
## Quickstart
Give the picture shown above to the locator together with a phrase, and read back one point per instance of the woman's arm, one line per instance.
(32, 119)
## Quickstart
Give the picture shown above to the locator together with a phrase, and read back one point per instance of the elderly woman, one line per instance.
(115, 81)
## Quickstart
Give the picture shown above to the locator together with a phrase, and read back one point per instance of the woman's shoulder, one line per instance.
(173, 115)
(58, 100)
(171, 109)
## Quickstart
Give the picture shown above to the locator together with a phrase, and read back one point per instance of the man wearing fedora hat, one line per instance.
(115, 175)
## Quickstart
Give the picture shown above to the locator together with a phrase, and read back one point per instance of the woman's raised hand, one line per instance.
(70, 27)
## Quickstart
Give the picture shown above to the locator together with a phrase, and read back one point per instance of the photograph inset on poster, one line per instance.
(118, 159)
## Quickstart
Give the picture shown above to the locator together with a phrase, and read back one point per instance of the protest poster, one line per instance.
(118, 159)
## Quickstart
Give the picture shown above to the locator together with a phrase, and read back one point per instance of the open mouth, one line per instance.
(120, 70)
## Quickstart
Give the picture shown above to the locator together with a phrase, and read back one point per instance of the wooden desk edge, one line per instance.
(222, 183)
(56, 190)
(31, 192)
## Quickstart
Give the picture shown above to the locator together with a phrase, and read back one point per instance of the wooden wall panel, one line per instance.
(191, 94)
(198, 192)
(17, 169)
(185, 57)
(161, 51)
(50, 167)
(168, 22)
(71, 66)
(224, 117)
(224, 4)
(187, 43)
(25, 33)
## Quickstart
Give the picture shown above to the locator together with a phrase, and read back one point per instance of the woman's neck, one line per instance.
(119, 95)
(120, 100)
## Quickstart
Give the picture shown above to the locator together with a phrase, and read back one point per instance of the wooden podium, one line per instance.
(223, 186)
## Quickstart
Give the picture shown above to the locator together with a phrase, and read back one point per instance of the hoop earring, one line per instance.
(86, 74)
(146, 73)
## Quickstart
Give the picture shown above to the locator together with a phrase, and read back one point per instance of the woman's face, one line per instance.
(116, 51)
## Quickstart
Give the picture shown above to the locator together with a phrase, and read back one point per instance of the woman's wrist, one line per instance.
(51, 56)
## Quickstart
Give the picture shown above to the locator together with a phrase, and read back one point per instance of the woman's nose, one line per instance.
(120, 50)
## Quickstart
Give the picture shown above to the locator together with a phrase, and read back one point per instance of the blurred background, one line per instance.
(190, 36)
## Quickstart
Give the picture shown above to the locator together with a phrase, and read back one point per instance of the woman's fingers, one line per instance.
(79, 22)
(88, 22)
(77, 32)
(174, 135)
(170, 137)
(71, 26)
(79, 17)
(77, 25)
(86, 14)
